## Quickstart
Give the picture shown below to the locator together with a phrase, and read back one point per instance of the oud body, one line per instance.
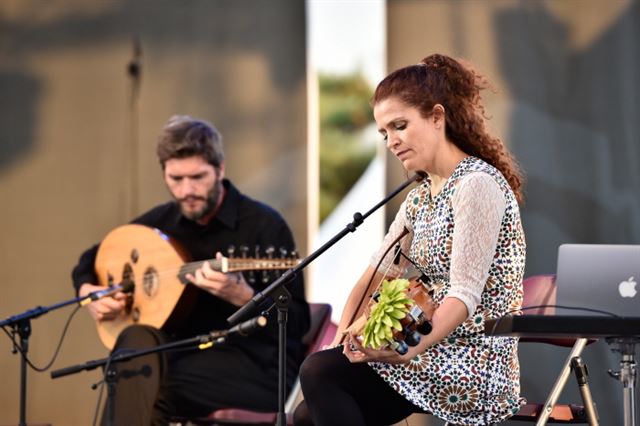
(157, 265)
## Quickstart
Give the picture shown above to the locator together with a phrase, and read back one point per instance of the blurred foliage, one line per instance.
(344, 113)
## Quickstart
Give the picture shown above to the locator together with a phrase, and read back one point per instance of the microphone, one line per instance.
(126, 286)
(134, 68)
(243, 329)
(246, 327)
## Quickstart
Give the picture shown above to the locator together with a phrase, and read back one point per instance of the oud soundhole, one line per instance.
(150, 282)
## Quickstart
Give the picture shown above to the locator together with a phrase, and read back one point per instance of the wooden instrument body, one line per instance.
(155, 263)
(417, 319)
(152, 261)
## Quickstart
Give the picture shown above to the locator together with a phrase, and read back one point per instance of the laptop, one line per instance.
(599, 276)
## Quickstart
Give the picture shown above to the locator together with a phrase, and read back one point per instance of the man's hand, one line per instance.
(104, 309)
(231, 287)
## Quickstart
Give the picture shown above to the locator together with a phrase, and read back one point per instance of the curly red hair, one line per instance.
(439, 79)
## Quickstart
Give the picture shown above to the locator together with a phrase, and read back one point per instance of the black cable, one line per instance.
(423, 274)
(19, 348)
(100, 387)
(575, 308)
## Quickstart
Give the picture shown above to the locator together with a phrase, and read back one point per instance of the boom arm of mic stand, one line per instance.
(21, 325)
(247, 309)
(41, 310)
(37, 311)
(203, 341)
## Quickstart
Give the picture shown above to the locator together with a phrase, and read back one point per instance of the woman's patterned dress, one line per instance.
(466, 379)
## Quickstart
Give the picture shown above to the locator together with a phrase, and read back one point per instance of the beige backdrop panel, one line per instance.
(77, 146)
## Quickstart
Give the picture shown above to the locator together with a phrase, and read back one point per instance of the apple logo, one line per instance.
(627, 288)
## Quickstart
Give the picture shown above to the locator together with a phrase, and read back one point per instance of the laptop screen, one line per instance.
(599, 276)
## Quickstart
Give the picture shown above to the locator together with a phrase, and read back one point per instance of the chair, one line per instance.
(321, 333)
(541, 290)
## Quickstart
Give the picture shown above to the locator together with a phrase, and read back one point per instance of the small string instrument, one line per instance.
(417, 321)
(157, 266)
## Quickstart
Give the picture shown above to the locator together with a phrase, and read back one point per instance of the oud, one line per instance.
(157, 265)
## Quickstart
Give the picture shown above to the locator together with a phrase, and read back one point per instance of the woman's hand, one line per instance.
(446, 317)
(355, 352)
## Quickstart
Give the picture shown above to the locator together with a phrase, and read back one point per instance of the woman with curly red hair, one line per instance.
(465, 236)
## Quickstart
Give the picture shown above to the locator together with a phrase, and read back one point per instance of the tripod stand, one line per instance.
(626, 346)
(573, 363)
(111, 375)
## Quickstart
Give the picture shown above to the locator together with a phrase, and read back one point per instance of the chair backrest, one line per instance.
(322, 330)
(541, 290)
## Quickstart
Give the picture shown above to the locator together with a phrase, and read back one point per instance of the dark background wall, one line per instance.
(77, 146)
(566, 74)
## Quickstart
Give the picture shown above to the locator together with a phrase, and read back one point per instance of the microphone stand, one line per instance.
(134, 71)
(281, 294)
(21, 325)
(204, 341)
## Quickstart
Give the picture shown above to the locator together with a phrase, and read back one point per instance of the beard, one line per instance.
(211, 202)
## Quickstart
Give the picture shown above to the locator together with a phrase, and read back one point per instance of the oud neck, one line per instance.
(220, 265)
(226, 264)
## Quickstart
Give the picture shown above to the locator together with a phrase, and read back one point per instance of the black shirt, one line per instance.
(240, 221)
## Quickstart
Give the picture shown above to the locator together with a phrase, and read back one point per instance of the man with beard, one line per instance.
(208, 216)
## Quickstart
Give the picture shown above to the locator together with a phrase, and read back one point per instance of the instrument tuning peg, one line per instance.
(256, 252)
(231, 251)
(294, 254)
(250, 276)
(270, 251)
(264, 275)
(283, 252)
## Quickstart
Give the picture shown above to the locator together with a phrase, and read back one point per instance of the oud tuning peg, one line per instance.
(294, 254)
(283, 252)
(231, 251)
(250, 276)
(270, 251)
(264, 275)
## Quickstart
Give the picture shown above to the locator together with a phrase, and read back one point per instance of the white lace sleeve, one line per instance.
(387, 266)
(478, 208)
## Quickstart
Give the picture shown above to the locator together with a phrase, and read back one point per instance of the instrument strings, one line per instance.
(235, 265)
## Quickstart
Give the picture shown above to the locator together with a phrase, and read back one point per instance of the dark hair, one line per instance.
(439, 79)
(184, 136)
